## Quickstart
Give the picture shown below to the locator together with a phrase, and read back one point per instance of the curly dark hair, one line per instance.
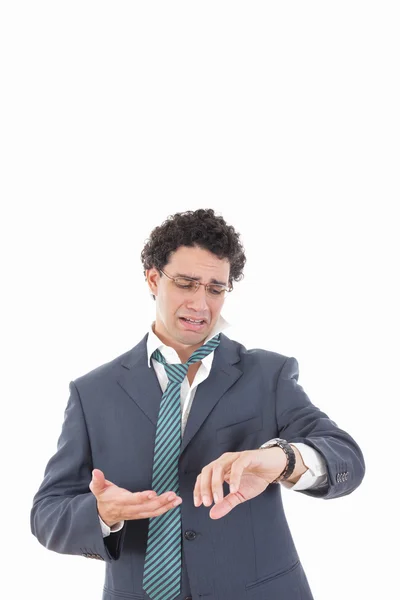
(201, 228)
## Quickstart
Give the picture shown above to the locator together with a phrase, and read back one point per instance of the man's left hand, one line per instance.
(248, 474)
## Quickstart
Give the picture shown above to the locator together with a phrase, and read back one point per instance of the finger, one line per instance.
(225, 506)
(144, 495)
(217, 479)
(150, 502)
(147, 513)
(141, 496)
(205, 484)
(237, 469)
(211, 482)
(202, 492)
(168, 506)
(151, 494)
(215, 472)
(143, 502)
(196, 491)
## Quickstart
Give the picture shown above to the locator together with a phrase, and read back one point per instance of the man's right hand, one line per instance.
(117, 504)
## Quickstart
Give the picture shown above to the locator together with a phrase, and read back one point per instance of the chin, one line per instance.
(193, 337)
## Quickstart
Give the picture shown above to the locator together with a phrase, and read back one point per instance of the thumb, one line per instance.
(98, 483)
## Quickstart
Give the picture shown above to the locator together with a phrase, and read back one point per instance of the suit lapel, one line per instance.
(141, 384)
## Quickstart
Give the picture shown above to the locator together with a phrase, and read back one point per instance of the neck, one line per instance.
(183, 351)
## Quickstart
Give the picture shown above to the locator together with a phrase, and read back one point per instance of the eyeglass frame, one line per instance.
(198, 284)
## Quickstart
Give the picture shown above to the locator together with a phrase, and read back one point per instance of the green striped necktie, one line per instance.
(163, 560)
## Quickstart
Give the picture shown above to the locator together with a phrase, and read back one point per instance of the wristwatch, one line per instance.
(290, 457)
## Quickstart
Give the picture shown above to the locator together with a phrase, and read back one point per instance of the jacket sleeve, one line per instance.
(64, 515)
(299, 420)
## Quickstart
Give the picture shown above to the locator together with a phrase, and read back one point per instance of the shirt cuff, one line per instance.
(106, 530)
(316, 474)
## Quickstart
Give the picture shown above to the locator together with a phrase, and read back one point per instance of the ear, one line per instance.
(153, 277)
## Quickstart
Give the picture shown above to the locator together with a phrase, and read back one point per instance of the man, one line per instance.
(187, 420)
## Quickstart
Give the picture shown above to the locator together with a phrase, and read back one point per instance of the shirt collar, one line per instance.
(170, 355)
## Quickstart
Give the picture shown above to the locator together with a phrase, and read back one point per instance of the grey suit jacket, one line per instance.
(110, 421)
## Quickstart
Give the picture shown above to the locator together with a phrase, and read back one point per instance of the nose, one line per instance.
(198, 300)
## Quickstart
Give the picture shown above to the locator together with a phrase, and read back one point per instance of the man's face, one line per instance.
(174, 305)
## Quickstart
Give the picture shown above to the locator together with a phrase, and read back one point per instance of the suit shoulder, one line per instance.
(273, 360)
(259, 355)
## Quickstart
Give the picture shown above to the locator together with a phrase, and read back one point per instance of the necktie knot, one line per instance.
(176, 372)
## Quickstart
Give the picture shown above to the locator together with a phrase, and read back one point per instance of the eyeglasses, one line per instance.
(215, 290)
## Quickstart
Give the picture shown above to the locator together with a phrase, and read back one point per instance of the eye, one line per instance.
(185, 284)
(216, 290)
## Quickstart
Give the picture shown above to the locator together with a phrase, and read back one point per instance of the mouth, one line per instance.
(193, 324)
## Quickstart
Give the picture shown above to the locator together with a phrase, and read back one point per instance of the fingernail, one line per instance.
(232, 488)
(171, 497)
(206, 500)
(215, 498)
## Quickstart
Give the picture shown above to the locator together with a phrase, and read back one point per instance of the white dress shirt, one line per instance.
(316, 474)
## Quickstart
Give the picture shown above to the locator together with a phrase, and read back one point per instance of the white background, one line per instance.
(285, 120)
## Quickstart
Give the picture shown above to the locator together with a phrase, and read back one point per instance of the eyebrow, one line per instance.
(198, 279)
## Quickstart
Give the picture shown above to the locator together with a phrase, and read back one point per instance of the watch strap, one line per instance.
(290, 457)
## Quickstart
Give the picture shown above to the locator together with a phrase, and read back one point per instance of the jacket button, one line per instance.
(190, 535)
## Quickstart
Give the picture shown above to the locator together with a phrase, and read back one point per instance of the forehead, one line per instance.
(199, 263)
